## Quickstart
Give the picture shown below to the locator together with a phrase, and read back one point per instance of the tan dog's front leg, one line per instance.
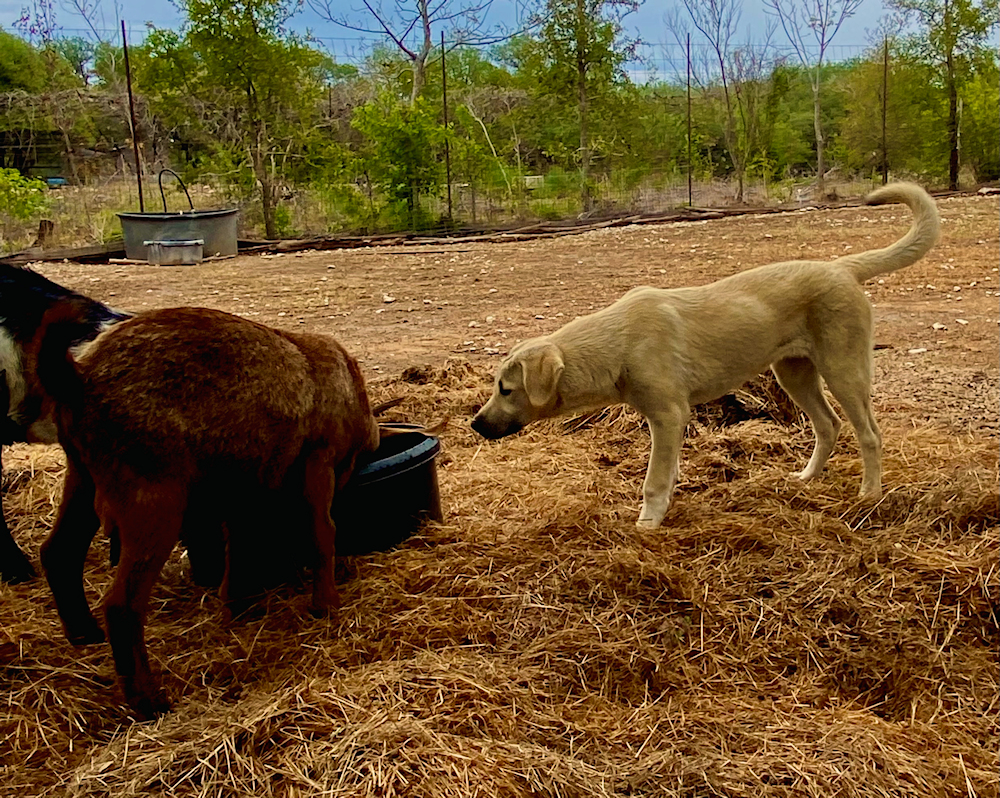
(666, 429)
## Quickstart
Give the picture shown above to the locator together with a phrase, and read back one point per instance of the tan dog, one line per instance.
(663, 350)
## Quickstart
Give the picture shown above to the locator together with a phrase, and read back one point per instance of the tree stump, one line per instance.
(46, 229)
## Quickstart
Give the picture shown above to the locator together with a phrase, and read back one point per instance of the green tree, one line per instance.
(794, 134)
(659, 140)
(810, 27)
(746, 81)
(717, 21)
(22, 67)
(39, 96)
(579, 53)
(109, 60)
(981, 123)
(400, 156)
(743, 83)
(21, 197)
(483, 135)
(916, 108)
(954, 36)
(78, 53)
(239, 82)
(915, 132)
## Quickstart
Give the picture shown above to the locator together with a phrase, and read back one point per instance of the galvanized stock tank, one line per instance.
(216, 229)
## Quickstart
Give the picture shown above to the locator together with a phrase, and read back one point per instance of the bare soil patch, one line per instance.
(772, 639)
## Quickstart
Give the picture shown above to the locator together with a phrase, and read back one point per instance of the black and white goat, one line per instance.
(25, 296)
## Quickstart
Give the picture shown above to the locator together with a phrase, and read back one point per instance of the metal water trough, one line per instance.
(215, 228)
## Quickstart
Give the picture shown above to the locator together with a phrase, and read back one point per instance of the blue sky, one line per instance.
(346, 45)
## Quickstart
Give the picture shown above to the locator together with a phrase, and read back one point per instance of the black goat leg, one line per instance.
(14, 564)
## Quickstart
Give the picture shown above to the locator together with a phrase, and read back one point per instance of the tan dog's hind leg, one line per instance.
(800, 379)
(852, 390)
(666, 430)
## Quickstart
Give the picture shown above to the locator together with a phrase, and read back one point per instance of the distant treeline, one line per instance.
(236, 100)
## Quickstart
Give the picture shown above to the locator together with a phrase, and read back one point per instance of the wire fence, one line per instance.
(88, 214)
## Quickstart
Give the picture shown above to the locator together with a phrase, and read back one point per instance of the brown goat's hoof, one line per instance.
(86, 634)
(243, 609)
(17, 570)
(323, 612)
(149, 707)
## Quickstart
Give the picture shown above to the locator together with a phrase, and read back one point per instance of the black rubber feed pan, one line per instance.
(392, 491)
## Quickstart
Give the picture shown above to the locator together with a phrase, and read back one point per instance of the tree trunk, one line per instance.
(581, 79)
(268, 201)
(258, 158)
(411, 206)
(71, 158)
(585, 199)
(820, 141)
(952, 125)
(268, 194)
(472, 191)
(952, 87)
(270, 206)
(739, 162)
(419, 78)
(732, 142)
(419, 59)
(46, 231)
(370, 224)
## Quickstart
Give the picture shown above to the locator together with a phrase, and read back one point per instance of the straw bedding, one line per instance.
(772, 639)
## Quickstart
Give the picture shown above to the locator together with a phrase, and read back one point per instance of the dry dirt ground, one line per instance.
(771, 639)
(400, 307)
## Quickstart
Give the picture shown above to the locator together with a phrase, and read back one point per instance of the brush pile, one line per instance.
(771, 639)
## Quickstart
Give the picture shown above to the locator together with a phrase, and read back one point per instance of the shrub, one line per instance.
(22, 198)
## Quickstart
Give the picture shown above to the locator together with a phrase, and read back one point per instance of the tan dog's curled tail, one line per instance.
(923, 233)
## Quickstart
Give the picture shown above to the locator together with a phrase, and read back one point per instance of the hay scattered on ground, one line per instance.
(772, 639)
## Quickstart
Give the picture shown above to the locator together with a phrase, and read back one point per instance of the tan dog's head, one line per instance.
(526, 389)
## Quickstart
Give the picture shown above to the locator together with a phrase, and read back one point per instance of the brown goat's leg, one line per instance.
(148, 535)
(203, 537)
(64, 552)
(320, 484)
(239, 583)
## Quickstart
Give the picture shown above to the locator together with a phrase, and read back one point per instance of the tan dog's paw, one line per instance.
(652, 512)
(650, 519)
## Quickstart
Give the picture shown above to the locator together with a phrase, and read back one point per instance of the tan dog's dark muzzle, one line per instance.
(493, 431)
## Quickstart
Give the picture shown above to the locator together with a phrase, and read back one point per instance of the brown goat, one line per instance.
(177, 423)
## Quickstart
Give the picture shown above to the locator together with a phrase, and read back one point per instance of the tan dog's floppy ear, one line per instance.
(542, 370)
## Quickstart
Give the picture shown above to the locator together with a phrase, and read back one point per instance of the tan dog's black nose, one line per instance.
(481, 427)
(491, 430)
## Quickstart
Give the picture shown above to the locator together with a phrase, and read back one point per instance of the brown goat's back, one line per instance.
(186, 392)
